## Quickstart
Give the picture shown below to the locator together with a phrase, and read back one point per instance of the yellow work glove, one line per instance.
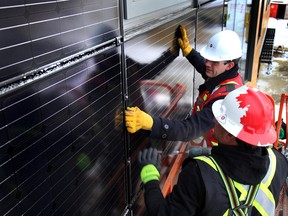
(184, 42)
(137, 119)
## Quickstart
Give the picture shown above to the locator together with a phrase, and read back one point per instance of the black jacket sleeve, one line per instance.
(183, 130)
(198, 62)
(192, 127)
(187, 196)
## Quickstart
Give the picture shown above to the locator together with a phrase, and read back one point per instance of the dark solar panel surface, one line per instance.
(61, 150)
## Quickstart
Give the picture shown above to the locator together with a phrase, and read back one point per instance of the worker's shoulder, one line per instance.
(280, 157)
(220, 91)
(190, 168)
(200, 168)
(195, 162)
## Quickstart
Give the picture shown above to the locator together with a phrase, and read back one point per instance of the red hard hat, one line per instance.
(247, 114)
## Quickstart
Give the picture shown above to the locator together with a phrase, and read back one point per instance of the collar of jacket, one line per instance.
(238, 163)
(211, 83)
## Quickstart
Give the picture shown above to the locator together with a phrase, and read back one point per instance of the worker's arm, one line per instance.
(183, 130)
(166, 129)
(187, 195)
(191, 54)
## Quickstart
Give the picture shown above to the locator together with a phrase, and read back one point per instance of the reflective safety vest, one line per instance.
(205, 97)
(263, 200)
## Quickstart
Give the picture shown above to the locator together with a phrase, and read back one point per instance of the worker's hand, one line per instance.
(174, 49)
(118, 120)
(150, 163)
(184, 42)
(136, 119)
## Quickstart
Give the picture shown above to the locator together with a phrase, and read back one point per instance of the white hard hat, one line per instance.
(247, 114)
(223, 46)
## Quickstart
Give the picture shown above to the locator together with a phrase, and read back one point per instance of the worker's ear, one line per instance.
(229, 139)
(230, 65)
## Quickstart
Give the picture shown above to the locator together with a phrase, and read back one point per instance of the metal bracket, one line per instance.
(119, 40)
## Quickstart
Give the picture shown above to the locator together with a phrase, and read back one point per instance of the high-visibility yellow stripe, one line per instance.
(230, 82)
(242, 190)
(230, 188)
(259, 208)
(264, 191)
(264, 195)
(198, 140)
(226, 213)
(268, 193)
(273, 167)
(205, 97)
(207, 160)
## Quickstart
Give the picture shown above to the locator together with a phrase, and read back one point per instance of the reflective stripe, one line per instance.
(231, 82)
(237, 208)
(226, 213)
(198, 140)
(264, 198)
(214, 143)
(243, 190)
(206, 160)
(272, 169)
(264, 201)
(205, 97)
(260, 209)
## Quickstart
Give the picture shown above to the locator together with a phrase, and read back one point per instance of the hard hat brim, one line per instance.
(206, 53)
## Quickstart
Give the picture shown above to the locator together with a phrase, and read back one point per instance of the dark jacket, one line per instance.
(190, 194)
(200, 123)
